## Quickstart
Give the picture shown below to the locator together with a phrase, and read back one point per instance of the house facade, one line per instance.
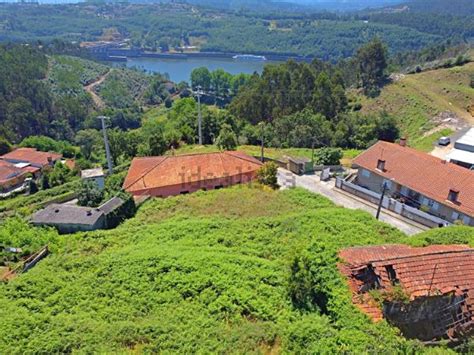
(96, 175)
(419, 180)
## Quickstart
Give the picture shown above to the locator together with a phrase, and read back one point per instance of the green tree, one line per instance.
(5, 146)
(267, 175)
(387, 128)
(89, 140)
(227, 139)
(88, 194)
(372, 62)
(201, 77)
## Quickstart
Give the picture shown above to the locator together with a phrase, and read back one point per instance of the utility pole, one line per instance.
(106, 143)
(199, 94)
(262, 156)
(384, 189)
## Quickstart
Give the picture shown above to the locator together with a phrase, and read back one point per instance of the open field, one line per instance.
(239, 270)
(417, 99)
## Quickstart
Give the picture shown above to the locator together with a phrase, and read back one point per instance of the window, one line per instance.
(453, 195)
(388, 184)
(365, 173)
(455, 216)
(184, 192)
(466, 220)
(392, 275)
(404, 191)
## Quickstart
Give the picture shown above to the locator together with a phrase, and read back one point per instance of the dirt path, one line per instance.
(90, 88)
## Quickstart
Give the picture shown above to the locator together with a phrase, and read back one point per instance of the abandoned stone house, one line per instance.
(68, 218)
(426, 292)
(440, 188)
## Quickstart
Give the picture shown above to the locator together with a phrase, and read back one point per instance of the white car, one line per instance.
(444, 141)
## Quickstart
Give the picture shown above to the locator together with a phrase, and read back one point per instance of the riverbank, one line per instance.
(119, 54)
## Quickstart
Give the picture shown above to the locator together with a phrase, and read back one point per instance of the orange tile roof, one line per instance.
(420, 271)
(31, 155)
(8, 172)
(423, 173)
(153, 172)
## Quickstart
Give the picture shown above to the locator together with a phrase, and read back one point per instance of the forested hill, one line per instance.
(451, 7)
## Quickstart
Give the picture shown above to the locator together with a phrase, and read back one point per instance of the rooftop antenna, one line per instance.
(106, 143)
(198, 94)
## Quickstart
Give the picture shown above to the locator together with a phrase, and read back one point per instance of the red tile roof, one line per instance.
(419, 270)
(8, 172)
(423, 173)
(31, 155)
(427, 271)
(153, 172)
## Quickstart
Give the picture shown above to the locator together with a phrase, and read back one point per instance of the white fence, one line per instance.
(392, 205)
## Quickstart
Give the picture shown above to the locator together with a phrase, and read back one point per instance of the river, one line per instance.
(180, 69)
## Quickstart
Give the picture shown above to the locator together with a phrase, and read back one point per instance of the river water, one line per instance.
(180, 69)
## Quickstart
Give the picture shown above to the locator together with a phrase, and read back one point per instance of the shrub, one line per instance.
(89, 194)
(227, 140)
(267, 175)
(328, 156)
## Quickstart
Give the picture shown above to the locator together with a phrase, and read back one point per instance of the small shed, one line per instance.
(96, 175)
(300, 166)
(69, 218)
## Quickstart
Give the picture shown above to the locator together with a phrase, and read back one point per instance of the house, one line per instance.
(11, 177)
(463, 152)
(68, 218)
(31, 160)
(428, 292)
(96, 175)
(173, 175)
(420, 180)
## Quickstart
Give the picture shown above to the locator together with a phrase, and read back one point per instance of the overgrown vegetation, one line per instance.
(239, 270)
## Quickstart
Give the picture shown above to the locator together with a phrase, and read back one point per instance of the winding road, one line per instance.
(90, 88)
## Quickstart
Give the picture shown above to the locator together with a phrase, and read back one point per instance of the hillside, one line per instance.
(237, 270)
(419, 101)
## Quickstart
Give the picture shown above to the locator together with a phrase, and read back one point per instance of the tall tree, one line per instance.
(372, 62)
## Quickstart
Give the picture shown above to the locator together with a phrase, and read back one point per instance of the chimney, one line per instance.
(453, 195)
(381, 165)
(50, 159)
(403, 142)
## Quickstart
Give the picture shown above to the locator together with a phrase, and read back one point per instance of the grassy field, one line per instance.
(417, 98)
(238, 270)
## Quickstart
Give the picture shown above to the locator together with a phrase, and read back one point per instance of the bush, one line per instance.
(267, 175)
(5, 146)
(328, 156)
(89, 194)
(227, 140)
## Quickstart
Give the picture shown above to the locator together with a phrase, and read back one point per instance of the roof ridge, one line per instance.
(470, 250)
(146, 172)
(239, 157)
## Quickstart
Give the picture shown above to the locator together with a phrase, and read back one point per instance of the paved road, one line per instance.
(311, 182)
